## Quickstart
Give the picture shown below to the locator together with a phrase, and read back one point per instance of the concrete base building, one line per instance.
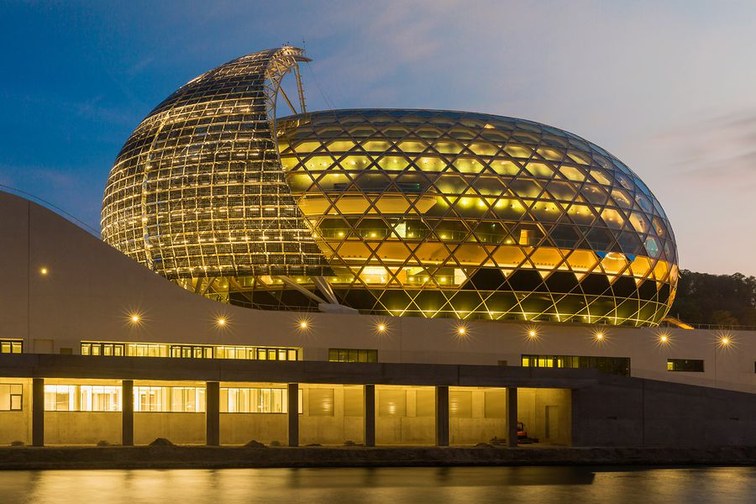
(84, 328)
(374, 277)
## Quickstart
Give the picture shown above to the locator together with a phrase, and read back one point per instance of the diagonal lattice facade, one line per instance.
(401, 212)
(197, 190)
(465, 215)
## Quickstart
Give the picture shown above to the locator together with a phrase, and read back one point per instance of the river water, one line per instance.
(542, 485)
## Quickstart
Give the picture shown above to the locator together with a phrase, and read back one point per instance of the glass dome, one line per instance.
(436, 213)
(395, 212)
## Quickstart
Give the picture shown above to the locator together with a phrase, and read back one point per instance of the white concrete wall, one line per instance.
(406, 425)
(241, 428)
(82, 427)
(16, 425)
(179, 428)
(335, 428)
(91, 288)
(552, 427)
(474, 426)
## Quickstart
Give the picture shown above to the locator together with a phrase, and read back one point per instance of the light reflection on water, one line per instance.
(384, 485)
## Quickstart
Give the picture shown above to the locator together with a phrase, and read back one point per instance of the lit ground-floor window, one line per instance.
(11, 396)
(169, 399)
(82, 398)
(253, 400)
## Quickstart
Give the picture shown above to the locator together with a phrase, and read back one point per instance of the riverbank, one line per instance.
(181, 457)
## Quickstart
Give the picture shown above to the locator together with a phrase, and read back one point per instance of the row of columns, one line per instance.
(212, 414)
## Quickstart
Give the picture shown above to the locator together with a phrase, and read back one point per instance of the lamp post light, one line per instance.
(724, 342)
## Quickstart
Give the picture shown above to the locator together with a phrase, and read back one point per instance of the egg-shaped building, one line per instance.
(401, 212)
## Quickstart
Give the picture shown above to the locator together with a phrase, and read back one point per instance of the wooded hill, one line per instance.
(725, 300)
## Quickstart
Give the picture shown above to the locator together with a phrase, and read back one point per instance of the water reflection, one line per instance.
(383, 485)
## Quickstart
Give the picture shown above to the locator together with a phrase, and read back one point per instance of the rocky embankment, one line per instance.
(168, 456)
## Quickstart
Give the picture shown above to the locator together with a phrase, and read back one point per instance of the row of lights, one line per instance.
(532, 334)
(599, 336)
(136, 319)
(380, 327)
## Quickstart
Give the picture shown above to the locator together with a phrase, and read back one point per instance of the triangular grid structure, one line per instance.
(416, 203)
(198, 189)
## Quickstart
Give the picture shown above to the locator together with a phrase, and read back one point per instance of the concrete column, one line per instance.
(293, 414)
(442, 415)
(127, 412)
(512, 417)
(369, 414)
(38, 412)
(212, 413)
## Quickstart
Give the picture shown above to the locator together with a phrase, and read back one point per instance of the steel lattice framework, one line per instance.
(437, 213)
(401, 212)
(198, 191)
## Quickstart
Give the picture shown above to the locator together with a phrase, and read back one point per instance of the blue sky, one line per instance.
(668, 87)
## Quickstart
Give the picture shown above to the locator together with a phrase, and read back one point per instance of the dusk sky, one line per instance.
(667, 87)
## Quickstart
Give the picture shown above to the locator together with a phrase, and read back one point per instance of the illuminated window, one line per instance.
(686, 365)
(146, 350)
(276, 353)
(11, 346)
(96, 348)
(235, 352)
(169, 399)
(106, 349)
(191, 351)
(100, 398)
(82, 398)
(253, 400)
(611, 365)
(352, 355)
(11, 396)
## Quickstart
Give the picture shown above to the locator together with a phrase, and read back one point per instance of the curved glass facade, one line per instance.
(455, 214)
(400, 212)
(197, 190)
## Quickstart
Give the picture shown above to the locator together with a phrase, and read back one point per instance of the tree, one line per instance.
(727, 300)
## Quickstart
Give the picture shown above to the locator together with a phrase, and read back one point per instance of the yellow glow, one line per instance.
(599, 336)
(461, 331)
(303, 324)
(664, 339)
(381, 327)
(221, 322)
(134, 317)
(532, 333)
(725, 340)
(43, 271)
